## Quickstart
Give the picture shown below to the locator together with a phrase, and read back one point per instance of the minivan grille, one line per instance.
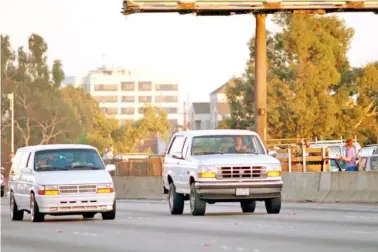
(65, 189)
(231, 172)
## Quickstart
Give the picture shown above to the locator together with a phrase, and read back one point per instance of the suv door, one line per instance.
(171, 165)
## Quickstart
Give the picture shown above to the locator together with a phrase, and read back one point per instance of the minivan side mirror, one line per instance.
(110, 167)
(26, 170)
(177, 155)
(272, 153)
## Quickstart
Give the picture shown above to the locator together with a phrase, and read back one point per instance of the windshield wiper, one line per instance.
(84, 166)
(213, 152)
(52, 168)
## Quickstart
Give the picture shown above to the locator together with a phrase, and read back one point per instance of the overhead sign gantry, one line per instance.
(260, 8)
(229, 7)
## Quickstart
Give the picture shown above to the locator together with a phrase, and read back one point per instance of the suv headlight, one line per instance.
(274, 170)
(207, 171)
(48, 190)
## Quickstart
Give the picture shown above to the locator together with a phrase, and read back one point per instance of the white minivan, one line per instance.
(60, 179)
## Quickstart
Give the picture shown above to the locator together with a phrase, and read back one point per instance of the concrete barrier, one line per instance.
(138, 187)
(343, 187)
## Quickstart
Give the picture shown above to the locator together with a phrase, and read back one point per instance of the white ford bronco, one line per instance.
(209, 166)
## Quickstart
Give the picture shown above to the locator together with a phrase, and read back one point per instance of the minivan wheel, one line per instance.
(15, 214)
(273, 205)
(111, 214)
(248, 206)
(175, 200)
(197, 205)
(35, 215)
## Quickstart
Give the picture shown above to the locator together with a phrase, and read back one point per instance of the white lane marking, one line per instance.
(86, 234)
(225, 247)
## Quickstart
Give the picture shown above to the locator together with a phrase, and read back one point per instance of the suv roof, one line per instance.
(216, 132)
(55, 147)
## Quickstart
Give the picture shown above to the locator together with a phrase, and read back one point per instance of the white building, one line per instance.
(123, 93)
(200, 117)
(207, 115)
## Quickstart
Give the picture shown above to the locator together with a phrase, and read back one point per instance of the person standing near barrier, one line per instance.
(350, 156)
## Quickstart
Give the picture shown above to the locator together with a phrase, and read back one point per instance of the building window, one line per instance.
(128, 99)
(166, 87)
(127, 111)
(144, 86)
(110, 111)
(145, 99)
(141, 110)
(170, 110)
(101, 99)
(166, 99)
(106, 87)
(127, 86)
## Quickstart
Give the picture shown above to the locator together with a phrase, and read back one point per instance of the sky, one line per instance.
(204, 52)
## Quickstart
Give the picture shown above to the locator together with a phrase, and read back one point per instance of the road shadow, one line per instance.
(227, 214)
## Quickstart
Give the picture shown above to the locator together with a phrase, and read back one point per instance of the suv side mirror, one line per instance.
(272, 153)
(177, 155)
(110, 167)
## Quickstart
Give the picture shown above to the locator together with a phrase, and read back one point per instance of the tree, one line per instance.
(57, 73)
(309, 78)
(41, 115)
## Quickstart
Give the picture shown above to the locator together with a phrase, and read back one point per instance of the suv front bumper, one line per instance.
(226, 190)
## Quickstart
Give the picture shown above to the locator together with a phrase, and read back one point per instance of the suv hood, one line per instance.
(73, 177)
(236, 159)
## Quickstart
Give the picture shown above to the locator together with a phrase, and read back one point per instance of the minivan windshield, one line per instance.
(227, 144)
(67, 159)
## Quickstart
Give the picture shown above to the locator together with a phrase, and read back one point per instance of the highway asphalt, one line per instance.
(142, 226)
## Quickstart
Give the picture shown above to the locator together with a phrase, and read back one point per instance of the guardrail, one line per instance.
(310, 160)
(307, 160)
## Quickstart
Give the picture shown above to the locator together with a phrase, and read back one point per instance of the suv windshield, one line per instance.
(67, 159)
(227, 144)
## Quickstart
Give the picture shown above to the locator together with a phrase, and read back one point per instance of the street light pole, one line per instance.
(11, 101)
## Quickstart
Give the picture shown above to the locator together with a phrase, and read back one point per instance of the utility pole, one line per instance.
(11, 101)
(185, 122)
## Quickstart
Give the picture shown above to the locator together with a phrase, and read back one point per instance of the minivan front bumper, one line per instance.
(75, 203)
(223, 190)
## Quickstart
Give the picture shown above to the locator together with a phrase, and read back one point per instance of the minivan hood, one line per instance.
(236, 159)
(73, 177)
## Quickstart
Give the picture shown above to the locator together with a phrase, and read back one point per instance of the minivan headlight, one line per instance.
(48, 190)
(207, 171)
(105, 188)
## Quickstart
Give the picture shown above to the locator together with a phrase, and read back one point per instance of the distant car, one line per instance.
(2, 182)
(65, 179)
(207, 166)
(368, 163)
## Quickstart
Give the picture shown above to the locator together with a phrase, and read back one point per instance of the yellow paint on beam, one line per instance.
(354, 4)
(186, 6)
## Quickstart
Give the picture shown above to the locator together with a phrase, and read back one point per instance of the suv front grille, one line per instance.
(236, 172)
(65, 189)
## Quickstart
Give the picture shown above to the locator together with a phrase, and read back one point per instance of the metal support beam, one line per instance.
(260, 71)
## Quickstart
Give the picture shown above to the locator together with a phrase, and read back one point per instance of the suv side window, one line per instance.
(176, 145)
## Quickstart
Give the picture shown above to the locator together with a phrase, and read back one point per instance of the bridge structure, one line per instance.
(260, 9)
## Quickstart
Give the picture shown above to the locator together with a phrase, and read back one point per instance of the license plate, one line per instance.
(242, 191)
